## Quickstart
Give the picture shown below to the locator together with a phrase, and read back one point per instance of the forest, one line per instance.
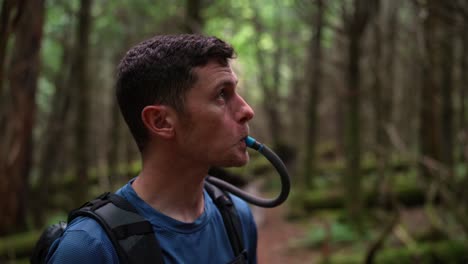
(366, 101)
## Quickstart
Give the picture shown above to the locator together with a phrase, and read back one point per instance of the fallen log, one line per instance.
(305, 203)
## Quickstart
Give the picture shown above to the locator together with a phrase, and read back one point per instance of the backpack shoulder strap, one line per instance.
(230, 217)
(131, 235)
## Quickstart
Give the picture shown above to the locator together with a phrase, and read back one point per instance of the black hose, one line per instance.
(262, 202)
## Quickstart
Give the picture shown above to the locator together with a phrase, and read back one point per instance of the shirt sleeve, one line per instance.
(80, 246)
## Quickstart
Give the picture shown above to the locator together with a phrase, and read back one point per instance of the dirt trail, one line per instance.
(274, 236)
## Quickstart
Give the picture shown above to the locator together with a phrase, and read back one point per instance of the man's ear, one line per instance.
(158, 120)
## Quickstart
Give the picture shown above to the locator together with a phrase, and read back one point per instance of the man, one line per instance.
(178, 95)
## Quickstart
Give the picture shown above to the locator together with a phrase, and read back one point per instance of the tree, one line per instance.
(447, 48)
(82, 90)
(435, 168)
(314, 82)
(385, 29)
(9, 16)
(194, 21)
(10, 13)
(355, 23)
(17, 137)
(54, 132)
(463, 114)
(269, 76)
(430, 126)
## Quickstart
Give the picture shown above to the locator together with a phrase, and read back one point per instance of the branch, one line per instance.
(378, 243)
(442, 181)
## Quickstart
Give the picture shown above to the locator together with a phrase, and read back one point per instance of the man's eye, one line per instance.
(222, 94)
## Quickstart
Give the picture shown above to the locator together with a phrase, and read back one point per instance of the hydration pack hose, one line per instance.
(279, 166)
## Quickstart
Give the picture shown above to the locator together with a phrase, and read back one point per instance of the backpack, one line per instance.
(132, 235)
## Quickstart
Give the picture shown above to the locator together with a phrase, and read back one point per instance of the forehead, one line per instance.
(214, 73)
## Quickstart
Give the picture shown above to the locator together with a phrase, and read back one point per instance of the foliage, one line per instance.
(440, 252)
(407, 191)
(18, 245)
(333, 233)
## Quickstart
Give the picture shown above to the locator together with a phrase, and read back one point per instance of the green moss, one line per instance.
(439, 252)
(311, 201)
(337, 233)
(446, 252)
(18, 245)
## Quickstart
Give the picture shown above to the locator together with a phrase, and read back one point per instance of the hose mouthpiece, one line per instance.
(252, 143)
(280, 168)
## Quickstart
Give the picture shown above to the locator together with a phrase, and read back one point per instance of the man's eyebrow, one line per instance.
(228, 82)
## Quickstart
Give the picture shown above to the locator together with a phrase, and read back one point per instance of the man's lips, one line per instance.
(242, 143)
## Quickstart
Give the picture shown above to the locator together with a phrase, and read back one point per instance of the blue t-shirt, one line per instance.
(203, 241)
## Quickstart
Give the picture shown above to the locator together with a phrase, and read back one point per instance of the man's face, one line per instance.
(214, 125)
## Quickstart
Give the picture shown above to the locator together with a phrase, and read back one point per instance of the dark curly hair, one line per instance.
(159, 71)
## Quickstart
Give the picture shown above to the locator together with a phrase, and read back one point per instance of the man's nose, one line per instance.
(245, 112)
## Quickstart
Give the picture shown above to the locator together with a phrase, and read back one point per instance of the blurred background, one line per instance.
(365, 100)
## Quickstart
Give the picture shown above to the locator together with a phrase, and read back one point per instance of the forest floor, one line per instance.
(281, 240)
(275, 235)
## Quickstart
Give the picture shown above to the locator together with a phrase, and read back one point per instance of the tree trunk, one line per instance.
(315, 69)
(429, 131)
(83, 96)
(463, 115)
(269, 83)
(353, 139)
(377, 99)
(274, 108)
(384, 104)
(356, 25)
(384, 31)
(446, 86)
(23, 74)
(389, 69)
(194, 21)
(9, 16)
(54, 133)
(437, 81)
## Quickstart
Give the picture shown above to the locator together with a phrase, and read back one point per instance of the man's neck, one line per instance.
(172, 187)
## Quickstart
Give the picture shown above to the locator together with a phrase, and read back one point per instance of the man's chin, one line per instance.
(237, 162)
